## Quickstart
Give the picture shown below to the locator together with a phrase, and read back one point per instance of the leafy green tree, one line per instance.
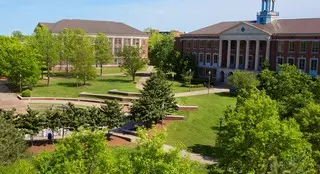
(182, 64)
(74, 117)
(253, 139)
(84, 57)
(18, 59)
(18, 35)
(157, 101)
(12, 143)
(132, 61)
(30, 123)
(309, 120)
(243, 80)
(315, 86)
(67, 46)
(103, 50)
(289, 86)
(52, 120)
(20, 166)
(47, 46)
(112, 115)
(187, 77)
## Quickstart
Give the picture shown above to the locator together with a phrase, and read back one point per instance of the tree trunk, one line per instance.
(67, 70)
(62, 132)
(134, 77)
(42, 74)
(60, 65)
(84, 81)
(48, 74)
(100, 69)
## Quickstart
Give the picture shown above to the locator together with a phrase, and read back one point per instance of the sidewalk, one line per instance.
(143, 80)
(202, 92)
(8, 100)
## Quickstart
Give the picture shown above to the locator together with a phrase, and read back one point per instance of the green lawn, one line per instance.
(67, 87)
(199, 129)
(177, 87)
(115, 70)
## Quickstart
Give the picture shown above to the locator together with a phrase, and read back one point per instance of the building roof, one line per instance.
(277, 27)
(94, 27)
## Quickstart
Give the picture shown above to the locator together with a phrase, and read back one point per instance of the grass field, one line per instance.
(67, 87)
(199, 130)
(115, 70)
(177, 87)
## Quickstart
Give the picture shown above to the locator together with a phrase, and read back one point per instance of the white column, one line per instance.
(268, 50)
(131, 42)
(140, 43)
(220, 53)
(238, 54)
(256, 62)
(247, 54)
(122, 43)
(229, 53)
(113, 45)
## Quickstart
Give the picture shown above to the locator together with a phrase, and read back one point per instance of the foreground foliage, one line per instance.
(255, 140)
(88, 153)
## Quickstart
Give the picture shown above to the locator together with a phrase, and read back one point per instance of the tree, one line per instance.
(12, 142)
(157, 101)
(254, 139)
(289, 87)
(112, 115)
(47, 46)
(67, 46)
(132, 61)
(182, 64)
(84, 58)
(30, 123)
(243, 80)
(309, 120)
(103, 50)
(52, 120)
(18, 35)
(18, 59)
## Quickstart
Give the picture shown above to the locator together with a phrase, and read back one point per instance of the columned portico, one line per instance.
(256, 62)
(220, 53)
(247, 54)
(229, 54)
(268, 50)
(238, 54)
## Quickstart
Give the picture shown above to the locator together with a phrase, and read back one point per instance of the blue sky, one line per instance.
(183, 15)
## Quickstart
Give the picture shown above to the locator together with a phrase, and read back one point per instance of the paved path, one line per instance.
(143, 80)
(202, 92)
(8, 100)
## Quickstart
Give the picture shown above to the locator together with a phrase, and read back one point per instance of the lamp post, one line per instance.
(190, 80)
(220, 120)
(20, 83)
(209, 82)
(172, 75)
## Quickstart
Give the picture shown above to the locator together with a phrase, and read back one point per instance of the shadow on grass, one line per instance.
(204, 150)
(69, 84)
(226, 94)
(115, 80)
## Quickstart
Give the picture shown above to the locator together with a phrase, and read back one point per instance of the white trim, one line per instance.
(277, 63)
(294, 40)
(132, 37)
(210, 58)
(185, 39)
(290, 57)
(305, 63)
(200, 56)
(311, 64)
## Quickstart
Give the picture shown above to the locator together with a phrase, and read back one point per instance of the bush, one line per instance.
(193, 86)
(26, 93)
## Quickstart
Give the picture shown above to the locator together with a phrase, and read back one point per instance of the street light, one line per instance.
(190, 80)
(172, 75)
(209, 82)
(20, 83)
(220, 120)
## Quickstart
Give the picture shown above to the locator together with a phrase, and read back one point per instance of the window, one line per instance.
(188, 44)
(261, 60)
(252, 45)
(144, 42)
(201, 57)
(208, 59)
(250, 63)
(215, 58)
(216, 45)
(241, 62)
(261, 47)
(117, 41)
(127, 42)
(280, 46)
(291, 46)
(279, 60)
(136, 42)
(303, 47)
(209, 44)
(290, 60)
(200, 71)
(195, 44)
(315, 47)
(302, 64)
(314, 64)
(233, 45)
(202, 44)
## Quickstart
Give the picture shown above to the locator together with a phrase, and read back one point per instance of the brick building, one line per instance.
(244, 45)
(119, 34)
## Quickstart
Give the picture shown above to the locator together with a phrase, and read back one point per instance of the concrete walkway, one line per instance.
(202, 92)
(143, 80)
(9, 100)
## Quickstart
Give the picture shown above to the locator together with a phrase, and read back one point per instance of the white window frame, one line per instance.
(289, 47)
(207, 58)
(280, 57)
(303, 51)
(312, 48)
(200, 57)
(292, 58)
(217, 60)
(305, 63)
(311, 64)
(280, 46)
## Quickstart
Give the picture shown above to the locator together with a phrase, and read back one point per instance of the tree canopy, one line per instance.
(103, 50)
(243, 80)
(132, 61)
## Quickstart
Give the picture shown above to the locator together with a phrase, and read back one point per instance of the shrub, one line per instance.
(193, 86)
(26, 93)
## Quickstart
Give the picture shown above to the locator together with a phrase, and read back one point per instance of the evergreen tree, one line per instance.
(112, 115)
(157, 101)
